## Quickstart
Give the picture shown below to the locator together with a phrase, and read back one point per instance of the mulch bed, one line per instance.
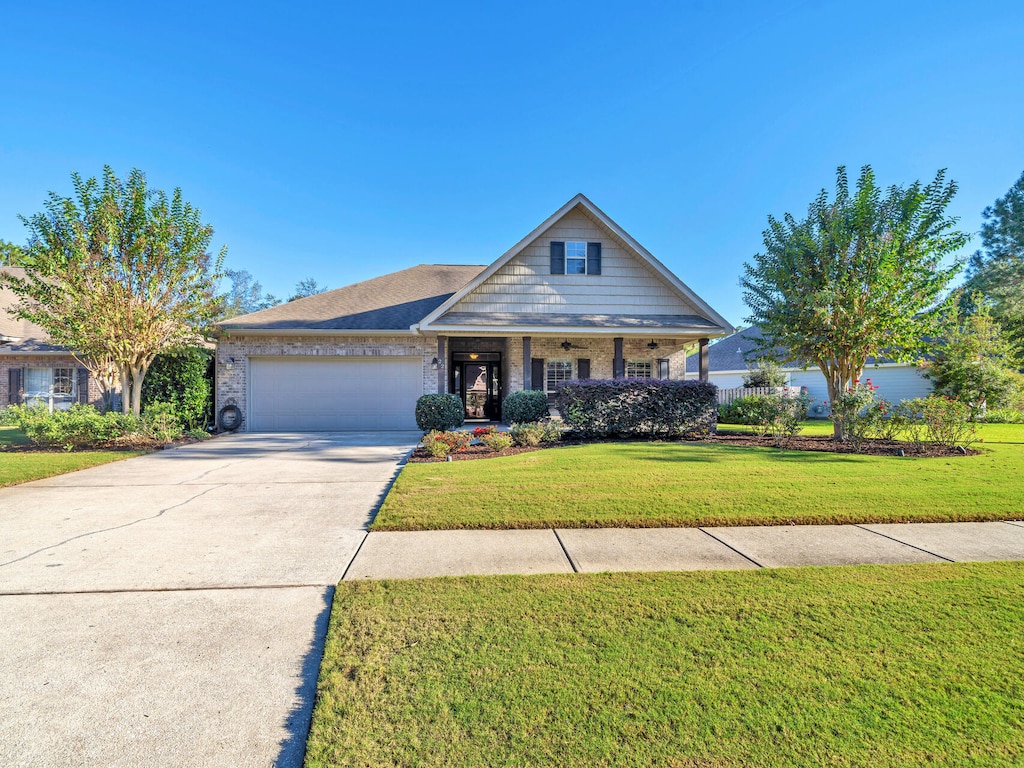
(819, 443)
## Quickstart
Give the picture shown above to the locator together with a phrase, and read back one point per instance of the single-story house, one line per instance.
(576, 298)
(729, 359)
(32, 370)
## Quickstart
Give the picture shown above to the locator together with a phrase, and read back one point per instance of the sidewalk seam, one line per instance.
(565, 550)
(149, 590)
(730, 546)
(898, 541)
(359, 549)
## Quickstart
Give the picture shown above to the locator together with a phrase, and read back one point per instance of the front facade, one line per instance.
(576, 298)
(32, 370)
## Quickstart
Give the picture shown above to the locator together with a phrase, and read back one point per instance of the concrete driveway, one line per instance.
(171, 609)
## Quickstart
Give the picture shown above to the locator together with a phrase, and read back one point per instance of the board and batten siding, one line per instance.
(625, 286)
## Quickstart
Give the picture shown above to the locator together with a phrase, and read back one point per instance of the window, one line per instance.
(558, 371)
(638, 369)
(52, 387)
(575, 258)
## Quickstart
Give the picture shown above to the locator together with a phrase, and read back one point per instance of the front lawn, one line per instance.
(866, 666)
(688, 484)
(22, 466)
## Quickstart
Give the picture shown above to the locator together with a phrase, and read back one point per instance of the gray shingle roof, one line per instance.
(738, 352)
(516, 319)
(392, 302)
(24, 336)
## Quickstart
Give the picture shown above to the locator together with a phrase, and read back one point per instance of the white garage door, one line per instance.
(315, 394)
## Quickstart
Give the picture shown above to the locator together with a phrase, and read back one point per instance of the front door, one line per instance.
(478, 382)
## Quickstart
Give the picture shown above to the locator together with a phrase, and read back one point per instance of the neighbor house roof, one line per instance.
(393, 302)
(17, 335)
(739, 352)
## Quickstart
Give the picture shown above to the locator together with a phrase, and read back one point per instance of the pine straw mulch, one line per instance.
(817, 443)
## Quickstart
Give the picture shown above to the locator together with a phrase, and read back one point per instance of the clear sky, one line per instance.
(342, 141)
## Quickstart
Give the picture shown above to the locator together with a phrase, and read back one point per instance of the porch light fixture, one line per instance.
(653, 345)
(474, 356)
(230, 364)
(434, 363)
(566, 345)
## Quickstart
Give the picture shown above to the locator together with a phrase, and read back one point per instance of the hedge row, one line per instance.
(638, 407)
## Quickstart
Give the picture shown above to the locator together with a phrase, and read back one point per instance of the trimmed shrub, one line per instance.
(183, 378)
(440, 443)
(528, 434)
(163, 422)
(440, 412)
(524, 406)
(753, 410)
(497, 441)
(81, 426)
(638, 407)
(552, 430)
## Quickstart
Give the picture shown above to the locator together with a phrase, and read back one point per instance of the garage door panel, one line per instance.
(316, 394)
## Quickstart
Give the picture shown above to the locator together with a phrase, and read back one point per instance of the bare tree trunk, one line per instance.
(126, 379)
(138, 374)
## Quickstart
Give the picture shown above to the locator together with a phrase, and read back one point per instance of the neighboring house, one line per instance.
(576, 298)
(730, 358)
(32, 370)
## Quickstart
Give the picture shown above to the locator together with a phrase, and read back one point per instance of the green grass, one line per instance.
(20, 467)
(689, 484)
(876, 666)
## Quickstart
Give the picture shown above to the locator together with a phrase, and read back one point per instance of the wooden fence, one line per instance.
(726, 396)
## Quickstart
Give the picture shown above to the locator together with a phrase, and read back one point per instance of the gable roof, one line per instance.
(717, 322)
(393, 302)
(17, 335)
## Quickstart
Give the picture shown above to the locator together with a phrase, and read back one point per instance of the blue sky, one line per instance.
(342, 141)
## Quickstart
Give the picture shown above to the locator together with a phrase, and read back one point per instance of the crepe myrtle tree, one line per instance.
(862, 275)
(118, 273)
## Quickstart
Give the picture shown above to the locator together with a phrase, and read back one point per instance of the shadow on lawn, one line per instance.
(710, 453)
(293, 748)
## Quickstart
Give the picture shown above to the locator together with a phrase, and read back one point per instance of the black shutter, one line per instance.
(557, 258)
(593, 258)
(14, 379)
(537, 373)
(663, 368)
(83, 385)
(583, 368)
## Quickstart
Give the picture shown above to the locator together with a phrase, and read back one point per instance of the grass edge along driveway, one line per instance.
(22, 466)
(866, 665)
(641, 484)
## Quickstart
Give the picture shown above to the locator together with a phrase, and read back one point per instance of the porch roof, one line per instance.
(539, 322)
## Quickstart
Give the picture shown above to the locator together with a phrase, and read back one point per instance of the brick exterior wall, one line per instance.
(232, 383)
(7, 362)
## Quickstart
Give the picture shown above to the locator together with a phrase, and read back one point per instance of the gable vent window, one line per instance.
(575, 257)
(638, 369)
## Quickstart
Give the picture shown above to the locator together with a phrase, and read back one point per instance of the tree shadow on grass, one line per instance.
(709, 453)
(293, 748)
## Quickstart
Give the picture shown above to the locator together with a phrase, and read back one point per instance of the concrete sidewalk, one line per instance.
(417, 554)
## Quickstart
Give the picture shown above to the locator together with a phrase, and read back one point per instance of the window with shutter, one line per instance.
(557, 258)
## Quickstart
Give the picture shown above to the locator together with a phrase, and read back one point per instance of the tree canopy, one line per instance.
(996, 271)
(244, 296)
(860, 276)
(307, 287)
(118, 273)
(12, 254)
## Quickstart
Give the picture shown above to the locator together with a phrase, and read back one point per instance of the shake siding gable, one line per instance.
(626, 284)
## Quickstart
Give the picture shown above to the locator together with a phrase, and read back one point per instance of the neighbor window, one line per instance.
(575, 258)
(638, 369)
(558, 371)
(52, 387)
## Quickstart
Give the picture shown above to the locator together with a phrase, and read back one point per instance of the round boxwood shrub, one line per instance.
(440, 412)
(524, 406)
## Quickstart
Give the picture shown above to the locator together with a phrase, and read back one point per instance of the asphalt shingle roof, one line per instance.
(391, 302)
(25, 336)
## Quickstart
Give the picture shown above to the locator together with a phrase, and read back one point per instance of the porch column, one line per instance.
(703, 365)
(442, 368)
(618, 364)
(527, 364)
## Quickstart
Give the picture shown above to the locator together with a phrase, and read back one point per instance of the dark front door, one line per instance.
(478, 382)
